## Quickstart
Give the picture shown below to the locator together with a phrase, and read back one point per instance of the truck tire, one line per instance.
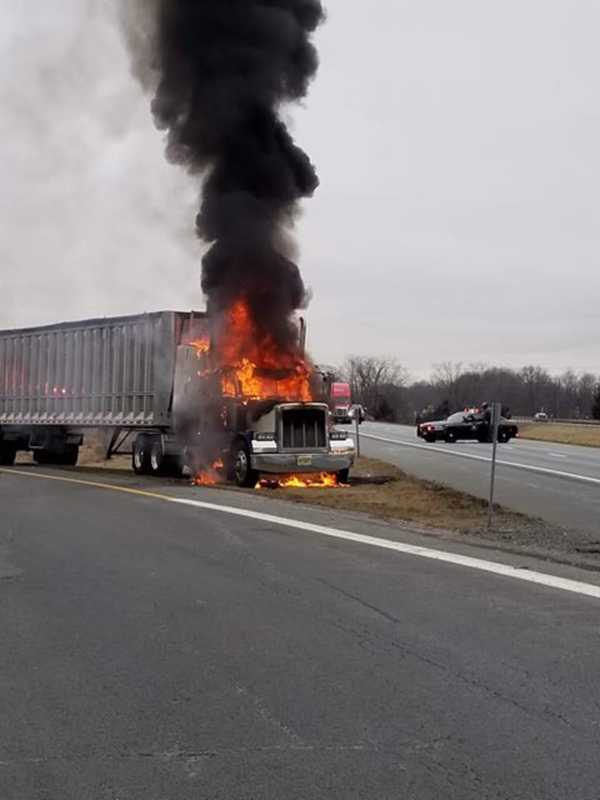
(173, 466)
(343, 476)
(70, 456)
(8, 453)
(430, 438)
(41, 457)
(140, 455)
(244, 475)
(450, 437)
(158, 462)
(503, 437)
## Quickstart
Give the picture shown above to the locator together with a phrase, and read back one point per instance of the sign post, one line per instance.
(495, 425)
(357, 434)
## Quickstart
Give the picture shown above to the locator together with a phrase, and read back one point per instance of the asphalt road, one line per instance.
(153, 651)
(559, 483)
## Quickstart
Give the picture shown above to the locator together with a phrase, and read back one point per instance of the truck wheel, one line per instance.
(173, 466)
(8, 453)
(140, 457)
(70, 456)
(343, 476)
(450, 437)
(157, 458)
(243, 473)
(503, 437)
(429, 438)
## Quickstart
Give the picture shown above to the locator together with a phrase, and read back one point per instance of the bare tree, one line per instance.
(375, 383)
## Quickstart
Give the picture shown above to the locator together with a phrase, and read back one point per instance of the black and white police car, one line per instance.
(469, 424)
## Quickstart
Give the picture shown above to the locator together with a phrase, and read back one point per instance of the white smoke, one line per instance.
(93, 220)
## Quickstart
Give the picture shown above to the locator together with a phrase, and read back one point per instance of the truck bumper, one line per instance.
(284, 464)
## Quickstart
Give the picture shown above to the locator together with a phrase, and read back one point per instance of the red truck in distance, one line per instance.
(340, 403)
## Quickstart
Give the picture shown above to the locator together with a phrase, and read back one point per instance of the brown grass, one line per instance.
(377, 488)
(384, 491)
(561, 433)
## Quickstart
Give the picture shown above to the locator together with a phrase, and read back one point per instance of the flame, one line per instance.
(211, 476)
(251, 365)
(202, 346)
(249, 356)
(322, 480)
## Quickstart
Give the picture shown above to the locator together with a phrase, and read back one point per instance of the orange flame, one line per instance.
(322, 480)
(202, 346)
(211, 476)
(250, 356)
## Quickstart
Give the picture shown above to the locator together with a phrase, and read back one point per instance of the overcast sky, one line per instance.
(457, 144)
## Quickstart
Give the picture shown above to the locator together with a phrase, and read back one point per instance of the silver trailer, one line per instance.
(138, 379)
(116, 374)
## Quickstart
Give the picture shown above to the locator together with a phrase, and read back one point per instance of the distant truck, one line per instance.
(340, 403)
(139, 377)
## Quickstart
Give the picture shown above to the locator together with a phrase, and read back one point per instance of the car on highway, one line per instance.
(465, 425)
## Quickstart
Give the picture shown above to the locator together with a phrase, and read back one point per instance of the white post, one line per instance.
(496, 414)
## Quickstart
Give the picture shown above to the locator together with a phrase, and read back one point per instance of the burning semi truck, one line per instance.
(175, 385)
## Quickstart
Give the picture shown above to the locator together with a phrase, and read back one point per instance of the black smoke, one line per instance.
(225, 69)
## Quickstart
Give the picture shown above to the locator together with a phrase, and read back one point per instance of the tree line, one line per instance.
(383, 386)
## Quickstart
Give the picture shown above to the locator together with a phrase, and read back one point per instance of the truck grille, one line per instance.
(304, 429)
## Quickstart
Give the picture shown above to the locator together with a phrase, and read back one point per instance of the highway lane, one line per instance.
(165, 652)
(559, 483)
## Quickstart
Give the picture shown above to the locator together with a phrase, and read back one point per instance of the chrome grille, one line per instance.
(304, 429)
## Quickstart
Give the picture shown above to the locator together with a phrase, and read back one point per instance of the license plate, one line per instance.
(304, 461)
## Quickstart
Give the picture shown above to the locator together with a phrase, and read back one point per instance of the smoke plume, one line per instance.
(221, 71)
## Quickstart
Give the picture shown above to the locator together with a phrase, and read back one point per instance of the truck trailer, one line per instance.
(143, 379)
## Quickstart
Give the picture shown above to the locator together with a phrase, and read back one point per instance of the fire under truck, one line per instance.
(145, 381)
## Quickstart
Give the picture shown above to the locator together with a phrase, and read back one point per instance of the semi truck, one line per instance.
(144, 380)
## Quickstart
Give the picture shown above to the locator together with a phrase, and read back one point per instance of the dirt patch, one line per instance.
(585, 435)
(382, 490)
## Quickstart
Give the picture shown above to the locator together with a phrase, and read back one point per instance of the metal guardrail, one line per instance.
(557, 421)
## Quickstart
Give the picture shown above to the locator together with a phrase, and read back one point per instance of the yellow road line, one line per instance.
(96, 484)
(457, 559)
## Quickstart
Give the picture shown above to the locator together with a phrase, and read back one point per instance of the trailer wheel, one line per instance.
(243, 473)
(70, 456)
(157, 458)
(8, 453)
(140, 457)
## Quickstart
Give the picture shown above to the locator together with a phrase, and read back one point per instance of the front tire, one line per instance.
(503, 437)
(244, 476)
(343, 476)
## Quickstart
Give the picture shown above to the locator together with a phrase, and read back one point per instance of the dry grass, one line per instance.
(586, 435)
(384, 491)
(377, 488)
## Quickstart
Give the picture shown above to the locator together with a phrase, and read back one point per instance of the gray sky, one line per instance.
(457, 145)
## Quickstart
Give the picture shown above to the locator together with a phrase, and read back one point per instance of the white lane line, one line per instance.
(552, 581)
(505, 570)
(515, 464)
(556, 455)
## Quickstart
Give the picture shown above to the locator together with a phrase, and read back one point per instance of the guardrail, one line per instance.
(556, 421)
